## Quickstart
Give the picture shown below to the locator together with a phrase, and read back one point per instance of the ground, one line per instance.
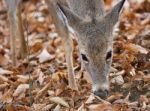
(39, 83)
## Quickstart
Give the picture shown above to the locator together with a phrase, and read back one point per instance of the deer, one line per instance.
(93, 28)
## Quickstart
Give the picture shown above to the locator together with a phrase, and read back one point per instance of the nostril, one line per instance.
(102, 94)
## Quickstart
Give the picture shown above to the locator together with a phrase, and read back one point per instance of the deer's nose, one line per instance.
(102, 94)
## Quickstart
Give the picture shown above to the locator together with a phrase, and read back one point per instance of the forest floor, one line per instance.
(40, 83)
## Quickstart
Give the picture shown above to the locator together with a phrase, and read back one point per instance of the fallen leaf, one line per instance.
(59, 100)
(112, 69)
(81, 108)
(43, 91)
(117, 73)
(22, 78)
(100, 107)
(57, 108)
(87, 77)
(38, 107)
(138, 48)
(4, 59)
(21, 89)
(44, 56)
(47, 107)
(2, 86)
(132, 72)
(3, 79)
(51, 93)
(114, 97)
(146, 78)
(118, 80)
(7, 97)
(53, 35)
(10, 107)
(36, 46)
(3, 71)
(90, 99)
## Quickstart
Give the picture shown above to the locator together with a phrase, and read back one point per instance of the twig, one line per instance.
(28, 61)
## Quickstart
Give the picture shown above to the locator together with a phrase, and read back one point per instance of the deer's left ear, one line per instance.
(114, 13)
(73, 19)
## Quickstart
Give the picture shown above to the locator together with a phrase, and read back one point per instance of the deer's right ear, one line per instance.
(113, 15)
(71, 17)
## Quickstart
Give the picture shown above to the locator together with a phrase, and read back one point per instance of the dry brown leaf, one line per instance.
(100, 107)
(2, 86)
(112, 69)
(87, 77)
(38, 107)
(10, 107)
(59, 100)
(90, 99)
(36, 46)
(147, 78)
(21, 89)
(4, 59)
(57, 42)
(57, 108)
(41, 76)
(47, 107)
(137, 48)
(59, 91)
(132, 38)
(118, 80)
(3, 71)
(43, 91)
(3, 79)
(114, 97)
(132, 72)
(143, 98)
(82, 108)
(57, 76)
(44, 56)
(117, 73)
(51, 93)
(52, 35)
(7, 97)
(126, 99)
(23, 78)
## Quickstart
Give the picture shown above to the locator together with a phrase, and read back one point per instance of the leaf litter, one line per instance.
(40, 84)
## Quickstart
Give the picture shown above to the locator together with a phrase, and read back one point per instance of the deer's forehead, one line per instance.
(94, 48)
(94, 43)
(97, 47)
(93, 30)
(93, 38)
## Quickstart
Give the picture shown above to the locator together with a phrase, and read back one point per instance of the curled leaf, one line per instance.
(21, 89)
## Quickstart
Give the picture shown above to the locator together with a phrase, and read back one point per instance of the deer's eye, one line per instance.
(84, 58)
(109, 55)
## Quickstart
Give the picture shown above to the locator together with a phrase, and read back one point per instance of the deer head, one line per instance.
(95, 44)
